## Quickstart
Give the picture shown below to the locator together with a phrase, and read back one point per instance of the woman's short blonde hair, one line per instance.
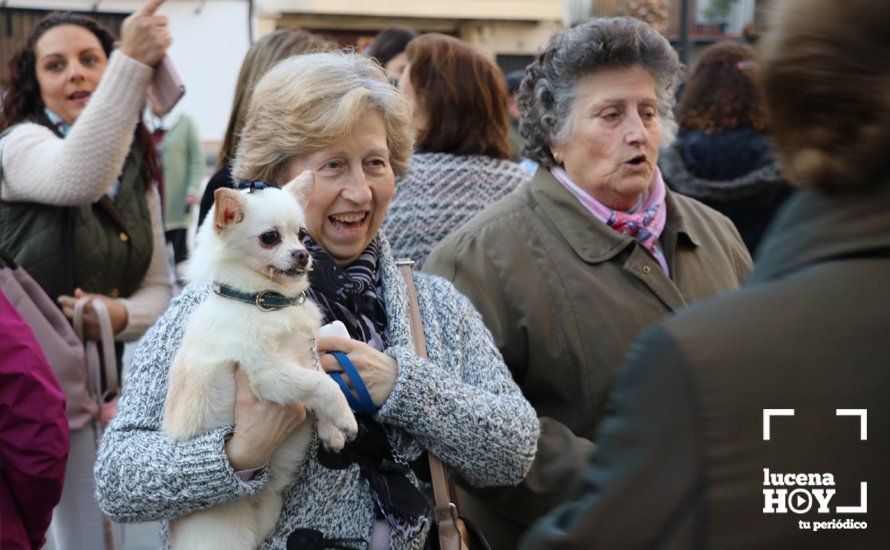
(306, 103)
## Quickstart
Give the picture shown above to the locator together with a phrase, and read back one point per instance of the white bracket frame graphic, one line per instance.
(863, 420)
(768, 413)
(863, 502)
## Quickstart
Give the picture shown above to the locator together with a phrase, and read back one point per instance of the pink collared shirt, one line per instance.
(653, 195)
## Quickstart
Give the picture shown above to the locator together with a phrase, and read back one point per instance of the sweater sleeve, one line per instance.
(141, 474)
(476, 420)
(153, 295)
(40, 167)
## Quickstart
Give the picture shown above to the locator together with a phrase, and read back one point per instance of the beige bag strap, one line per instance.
(446, 510)
(111, 532)
(109, 356)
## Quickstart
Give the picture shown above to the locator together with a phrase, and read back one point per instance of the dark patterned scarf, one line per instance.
(350, 295)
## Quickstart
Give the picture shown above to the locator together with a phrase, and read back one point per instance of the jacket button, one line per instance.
(115, 293)
(647, 270)
(124, 237)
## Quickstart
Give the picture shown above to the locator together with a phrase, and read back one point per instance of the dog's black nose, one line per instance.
(301, 257)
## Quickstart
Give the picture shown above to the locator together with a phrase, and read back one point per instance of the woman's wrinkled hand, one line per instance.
(144, 35)
(117, 312)
(260, 426)
(378, 370)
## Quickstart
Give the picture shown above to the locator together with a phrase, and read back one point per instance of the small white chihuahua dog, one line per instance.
(258, 317)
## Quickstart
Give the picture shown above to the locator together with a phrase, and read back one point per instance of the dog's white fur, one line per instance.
(274, 348)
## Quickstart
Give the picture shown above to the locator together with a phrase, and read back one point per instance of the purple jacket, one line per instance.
(34, 437)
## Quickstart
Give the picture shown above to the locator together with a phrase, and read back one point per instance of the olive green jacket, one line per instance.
(104, 247)
(564, 295)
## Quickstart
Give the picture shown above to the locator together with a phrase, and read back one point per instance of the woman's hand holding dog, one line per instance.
(378, 370)
(260, 426)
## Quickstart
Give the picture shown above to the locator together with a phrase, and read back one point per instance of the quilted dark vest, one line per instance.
(104, 247)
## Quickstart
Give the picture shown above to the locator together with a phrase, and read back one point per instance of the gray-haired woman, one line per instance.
(566, 270)
(337, 115)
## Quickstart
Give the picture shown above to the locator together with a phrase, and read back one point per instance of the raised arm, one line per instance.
(40, 167)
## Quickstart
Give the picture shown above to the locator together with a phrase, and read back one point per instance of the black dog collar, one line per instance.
(266, 300)
(255, 186)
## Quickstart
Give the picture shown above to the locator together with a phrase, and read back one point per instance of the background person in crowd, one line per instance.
(569, 268)
(262, 55)
(514, 79)
(183, 163)
(79, 203)
(722, 155)
(388, 49)
(33, 435)
(460, 118)
(345, 122)
(681, 457)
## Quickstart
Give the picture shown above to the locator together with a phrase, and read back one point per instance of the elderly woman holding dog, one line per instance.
(567, 269)
(334, 114)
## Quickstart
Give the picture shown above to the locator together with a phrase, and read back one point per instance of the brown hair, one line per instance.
(389, 43)
(264, 53)
(463, 96)
(22, 99)
(721, 92)
(826, 75)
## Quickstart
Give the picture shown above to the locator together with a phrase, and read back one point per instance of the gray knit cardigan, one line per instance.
(461, 404)
(439, 194)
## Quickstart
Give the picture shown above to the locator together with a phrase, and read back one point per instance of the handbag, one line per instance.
(455, 532)
(57, 339)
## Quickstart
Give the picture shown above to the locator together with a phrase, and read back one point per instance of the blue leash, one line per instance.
(362, 405)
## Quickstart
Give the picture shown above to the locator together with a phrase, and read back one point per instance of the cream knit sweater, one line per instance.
(40, 167)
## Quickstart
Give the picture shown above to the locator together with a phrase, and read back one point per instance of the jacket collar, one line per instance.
(815, 227)
(592, 240)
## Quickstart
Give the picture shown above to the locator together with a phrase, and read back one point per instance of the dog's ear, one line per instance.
(301, 187)
(229, 207)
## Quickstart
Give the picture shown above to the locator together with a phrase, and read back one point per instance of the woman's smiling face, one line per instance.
(354, 183)
(70, 62)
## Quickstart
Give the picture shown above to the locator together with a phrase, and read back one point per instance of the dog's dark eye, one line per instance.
(270, 238)
(302, 233)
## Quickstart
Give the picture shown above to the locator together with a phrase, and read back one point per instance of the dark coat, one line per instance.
(733, 172)
(222, 178)
(564, 295)
(681, 456)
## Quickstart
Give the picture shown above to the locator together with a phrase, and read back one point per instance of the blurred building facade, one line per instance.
(508, 31)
